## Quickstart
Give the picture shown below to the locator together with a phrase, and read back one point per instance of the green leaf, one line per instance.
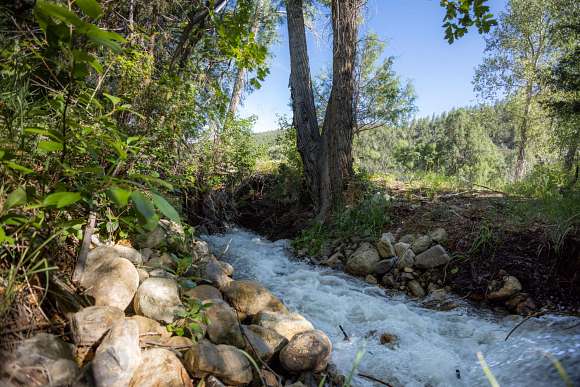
(143, 206)
(90, 7)
(104, 38)
(61, 199)
(114, 100)
(2, 235)
(119, 196)
(50, 133)
(15, 198)
(165, 207)
(58, 12)
(49, 146)
(18, 167)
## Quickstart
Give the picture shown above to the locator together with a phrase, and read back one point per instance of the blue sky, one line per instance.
(441, 73)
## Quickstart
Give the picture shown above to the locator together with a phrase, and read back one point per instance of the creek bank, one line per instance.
(159, 328)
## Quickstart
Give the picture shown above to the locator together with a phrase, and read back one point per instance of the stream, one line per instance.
(435, 348)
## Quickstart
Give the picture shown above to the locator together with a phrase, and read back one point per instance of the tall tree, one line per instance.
(517, 51)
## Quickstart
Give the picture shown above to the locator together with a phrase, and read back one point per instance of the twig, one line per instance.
(346, 338)
(375, 379)
(82, 259)
(537, 314)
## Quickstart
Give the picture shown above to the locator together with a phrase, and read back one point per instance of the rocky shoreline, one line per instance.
(417, 264)
(157, 320)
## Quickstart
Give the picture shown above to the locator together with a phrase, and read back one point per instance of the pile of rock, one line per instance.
(507, 290)
(122, 340)
(407, 264)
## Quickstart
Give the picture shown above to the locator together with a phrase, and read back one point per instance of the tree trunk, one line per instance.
(522, 146)
(241, 73)
(570, 156)
(327, 158)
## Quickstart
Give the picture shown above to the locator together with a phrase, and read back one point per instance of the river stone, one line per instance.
(416, 289)
(176, 343)
(143, 275)
(401, 248)
(407, 260)
(118, 356)
(90, 324)
(510, 285)
(113, 283)
(389, 281)
(149, 327)
(160, 367)
(41, 360)
(227, 268)
(264, 342)
(161, 273)
(212, 381)
(439, 235)
(363, 261)
(285, 324)
(101, 254)
(334, 261)
(158, 298)
(202, 293)
(435, 256)
(385, 245)
(385, 266)
(421, 243)
(223, 327)
(307, 351)
(223, 361)
(161, 261)
(250, 298)
(216, 274)
(407, 238)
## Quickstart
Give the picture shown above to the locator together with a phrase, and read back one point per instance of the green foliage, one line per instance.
(191, 321)
(462, 14)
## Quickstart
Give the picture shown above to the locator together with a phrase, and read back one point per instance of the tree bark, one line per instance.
(326, 157)
(522, 146)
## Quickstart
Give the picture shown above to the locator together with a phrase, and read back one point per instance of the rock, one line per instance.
(416, 289)
(42, 360)
(407, 260)
(200, 252)
(101, 254)
(334, 261)
(112, 283)
(226, 268)
(118, 356)
(149, 328)
(250, 298)
(286, 324)
(421, 243)
(154, 239)
(167, 233)
(223, 327)
(439, 235)
(146, 253)
(264, 342)
(161, 261)
(90, 324)
(389, 340)
(143, 275)
(371, 279)
(407, 239)
(435, 256)
(160, 367)
(406, 276)
(212, 381)
(385, 246)
(363, 261)
(216, 274)
(307, 351)
(509, 286)
(401, 248)
(176, 343)
(158, 298)
(203, 293)
(389, 281)
(161, 273)
(385, 266)
(223, 361)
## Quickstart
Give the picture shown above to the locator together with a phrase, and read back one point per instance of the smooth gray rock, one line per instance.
(90, 324)
(158, 298)
(439, 235)
(250, 298)
(421, 243)
(112, 283)
(401, 248)
(385, 246)
(203, 293)
(407, 260)
(433, 257)
(385, 266)
(223, 327)
(160, 367)
(100, 254)
(118, 356)
(285, 324)
(416, 289)
(363, 261)
(307, 351)
(407, 238)
(216, 274)
(262, 341)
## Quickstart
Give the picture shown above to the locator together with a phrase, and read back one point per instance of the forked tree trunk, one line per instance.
(326, 156)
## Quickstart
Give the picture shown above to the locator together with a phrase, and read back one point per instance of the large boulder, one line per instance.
(250, 298)
(217, 274)
(499, 291)
(160, 367)
(263, 342)
(363, 260)
(307, 351)
(158, 298)
(433, 257)
(385, 245)
(112, 283)
(41, 360)
(285, 324)
(223, 327)
(223, 361)
(101, 254)
(90, 324)
(421, 243)
(203, 293)
(118, 356)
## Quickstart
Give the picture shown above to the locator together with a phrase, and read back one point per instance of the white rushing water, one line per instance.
(432, 345)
